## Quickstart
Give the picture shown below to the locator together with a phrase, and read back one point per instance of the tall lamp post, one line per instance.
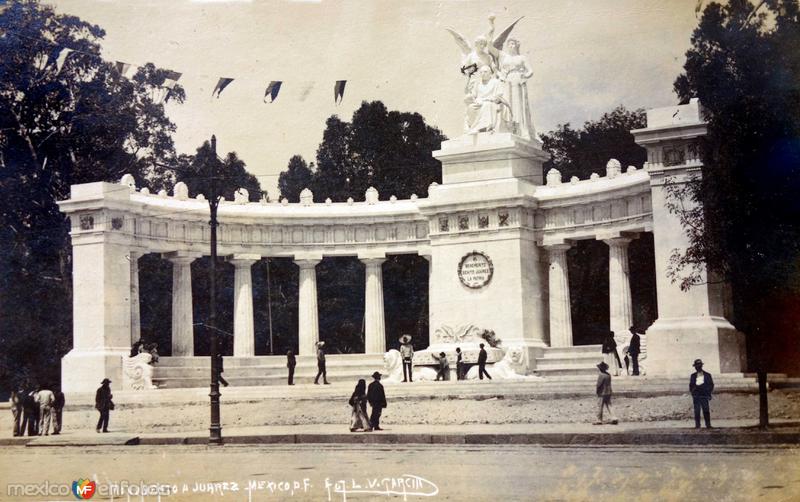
(215, 429)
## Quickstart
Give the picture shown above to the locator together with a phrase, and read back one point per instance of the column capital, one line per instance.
(136, 253)
(181, 256)
(242, 260)
(372, 261)
(558, 246)
(617, 238)
(306, 263)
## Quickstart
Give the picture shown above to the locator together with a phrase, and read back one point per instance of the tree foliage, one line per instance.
(389, 150)
(298, 175)
(77, 124)
(581, 152)
(744, 66)
(230, 174)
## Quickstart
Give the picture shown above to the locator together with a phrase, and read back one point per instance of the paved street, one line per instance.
(439, 472)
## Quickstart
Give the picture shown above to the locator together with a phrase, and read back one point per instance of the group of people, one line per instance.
(443, 365)
(34, 409)
(141, 347)
(701, 386)
(611, 356)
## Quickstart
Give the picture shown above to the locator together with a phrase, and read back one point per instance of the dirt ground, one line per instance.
(432, 411)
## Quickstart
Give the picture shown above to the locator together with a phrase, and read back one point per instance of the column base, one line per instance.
(673, 345)
(83, 370)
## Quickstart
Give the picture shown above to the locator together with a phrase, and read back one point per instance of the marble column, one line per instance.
(559, 299)
(136, 323)
(308, 329)
(243, 331)
(374, 325)
(182, 317)
(619, 286)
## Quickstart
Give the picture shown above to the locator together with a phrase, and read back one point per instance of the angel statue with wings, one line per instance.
(480, 56)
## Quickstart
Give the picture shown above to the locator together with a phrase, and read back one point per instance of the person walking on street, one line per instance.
(58, 411)
(358, 403)
(459, 364)
(482, 358)
(45, 399)
(103, 404)
(321, 371)
(291, 362)
(701, 385)
(377, 400)
(407, 353)
(610, 355)
(604, 394)
(634, 349)
(17, 397)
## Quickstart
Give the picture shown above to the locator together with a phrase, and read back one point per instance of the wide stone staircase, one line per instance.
(579, 360)
(184, 372)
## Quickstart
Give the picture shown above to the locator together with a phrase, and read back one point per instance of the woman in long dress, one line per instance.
(358, 403)
(515, 72)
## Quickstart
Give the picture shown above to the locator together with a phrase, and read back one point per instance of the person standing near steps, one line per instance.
(321, 371)
(377, 400)
(291, 362)
(482, 358)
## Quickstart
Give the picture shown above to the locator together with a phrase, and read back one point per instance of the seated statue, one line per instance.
(487, 110)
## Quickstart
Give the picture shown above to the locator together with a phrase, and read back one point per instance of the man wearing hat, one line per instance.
(103, 404)
(407, 353)
(701, 385)
(321, 365)
(377, 400)
(604, 394)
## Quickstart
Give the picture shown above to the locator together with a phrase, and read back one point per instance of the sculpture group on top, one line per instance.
(496, 92)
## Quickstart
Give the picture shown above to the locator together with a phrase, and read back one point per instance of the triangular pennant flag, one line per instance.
(305, 90)
(122, 68)
(62, 57)
(171, 78)
(338, 91)
(272, 91)
(221, 85)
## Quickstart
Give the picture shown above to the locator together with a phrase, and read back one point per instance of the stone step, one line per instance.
(572, 351)
(277, 361)
(587, 360)
(566, 371)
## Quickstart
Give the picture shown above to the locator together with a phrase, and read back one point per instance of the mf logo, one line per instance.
(83, 489)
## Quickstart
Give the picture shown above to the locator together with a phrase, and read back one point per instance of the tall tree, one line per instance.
(389, 150)
(581, 152)
(298, 175)
(744, 66)
(63, 121)
(231, 174)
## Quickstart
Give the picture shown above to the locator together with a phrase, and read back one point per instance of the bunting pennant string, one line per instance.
(59, 54)
(338, 91)
(272, 91)
(221, 85)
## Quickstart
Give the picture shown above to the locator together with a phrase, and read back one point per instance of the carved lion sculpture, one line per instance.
(393, 366)
(138, 373)
(511, 367)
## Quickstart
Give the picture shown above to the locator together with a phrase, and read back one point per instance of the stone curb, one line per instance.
(682, 438)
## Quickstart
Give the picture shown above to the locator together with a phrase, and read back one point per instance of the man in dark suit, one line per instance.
(634, 348)
(103, 404)
(701, 385)
(377, 400)
(482, 357)
(291, 362)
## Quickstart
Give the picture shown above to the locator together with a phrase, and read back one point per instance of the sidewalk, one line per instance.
(726, 432)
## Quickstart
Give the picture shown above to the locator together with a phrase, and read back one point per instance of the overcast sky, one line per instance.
(588, 57)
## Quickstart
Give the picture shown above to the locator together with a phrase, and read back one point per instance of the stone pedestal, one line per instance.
(243, 330)
(486, 269)
(374, 327)
(691, 324)
(308, 316)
